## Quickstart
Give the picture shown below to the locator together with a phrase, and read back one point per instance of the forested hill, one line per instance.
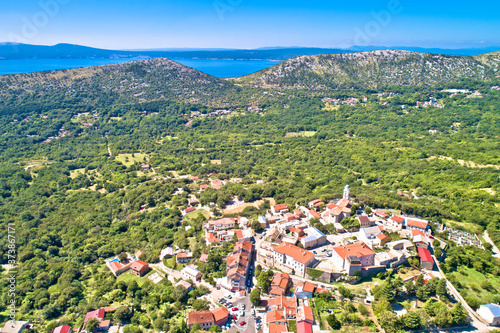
(373, 69)
(136, 81)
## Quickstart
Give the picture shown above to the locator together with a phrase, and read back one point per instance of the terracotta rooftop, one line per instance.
(417, 224)
(295, 252)
(358, 249)
(398, 219)
(138, 265)
(277, 208)
(200, 317)
(220, 313)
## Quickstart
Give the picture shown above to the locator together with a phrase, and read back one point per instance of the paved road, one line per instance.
(496, 251)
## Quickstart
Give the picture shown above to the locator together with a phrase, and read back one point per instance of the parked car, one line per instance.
(233, 317)
(234, 309)
(243, 323)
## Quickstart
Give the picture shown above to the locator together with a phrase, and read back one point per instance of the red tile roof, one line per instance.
(189, 209)
(331, 206)
(314, 214)
(220, 313)
(306, 286)
(138, 265)
(212, 239)
(295, 252)
(97, 314)
(275, 316)
(417, 224)
(200, 317)
(115, 266)
(383, 238)
(358, 249)
(398, 219)
(363, 219)
(62, 329)
(425, 255)
(304, 327)
(415, 232)
(279, 207)
(275, 328)
(308, 313)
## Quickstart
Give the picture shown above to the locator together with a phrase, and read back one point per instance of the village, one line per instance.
(281, 266)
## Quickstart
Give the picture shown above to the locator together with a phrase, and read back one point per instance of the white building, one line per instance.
(353, 257)
(314, 238)
(293, 257)
(490, 313)
(191, 273)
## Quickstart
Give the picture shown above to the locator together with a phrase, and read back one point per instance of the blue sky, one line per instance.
(127, 24)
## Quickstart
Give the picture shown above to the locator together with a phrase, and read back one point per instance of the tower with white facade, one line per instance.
(347, 192)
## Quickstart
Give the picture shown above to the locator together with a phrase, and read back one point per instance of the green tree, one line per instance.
(429, 307)
(201, 304)
(459, 314)
(389, 321)
(91, 325)
(196, 327)
(363, 310)
(368, 211)
(123, 314)
(412, 320)
(333, 322)
(441, 290)
(419, 282)
(423, 292)
(215, 328)
(443, 317)
(255, 297)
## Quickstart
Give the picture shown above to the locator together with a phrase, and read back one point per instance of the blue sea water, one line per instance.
(214, 67)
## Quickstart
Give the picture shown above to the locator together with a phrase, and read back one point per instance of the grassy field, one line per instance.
(306, 134)
(292, 326)
(471, 281)
(195, 214)
(128, 277)
(131, 159)
(469, 227)
(74, 173)
(325, 304)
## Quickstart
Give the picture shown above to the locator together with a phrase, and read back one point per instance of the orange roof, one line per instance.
(295, 252)
(398, 219)
(358, 249)
(383, 238)
(212, 239)
(306, 286)
(200, 317)
(344, 203)
(138, 265)
(275, 315)
(204, 186)
(280, 280)
(308, 313)
(297, 230)
(277, 208)
(417, 224)
(314, 214)
(331, 206)
(243, 245)
(415, 232)
(277, 328)
(220, 313)
(115, 265)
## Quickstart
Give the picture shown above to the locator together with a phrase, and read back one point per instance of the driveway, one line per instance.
(496, 252)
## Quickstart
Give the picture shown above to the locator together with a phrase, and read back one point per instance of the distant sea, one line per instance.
(214, 67)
